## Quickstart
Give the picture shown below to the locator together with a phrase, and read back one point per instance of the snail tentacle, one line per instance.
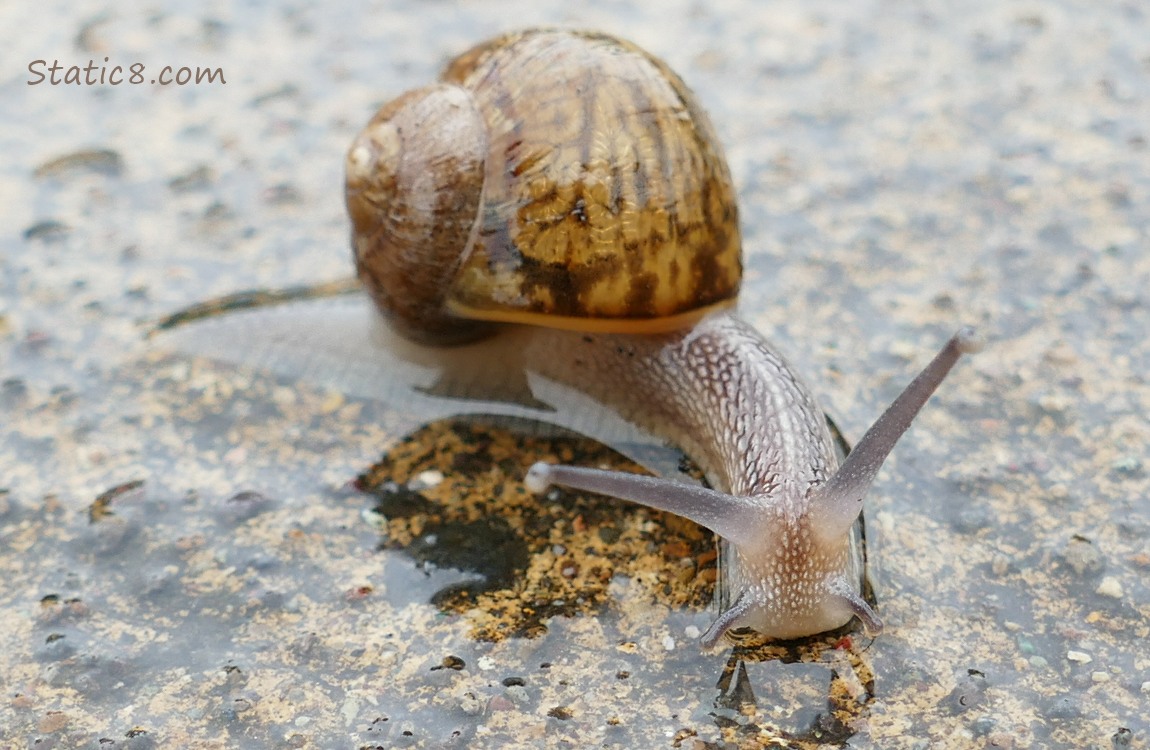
(735, 518)
(840, 588)
(838, 502)
(726, 620)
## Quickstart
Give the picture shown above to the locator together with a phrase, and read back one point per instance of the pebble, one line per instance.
(373, 518)
(1110, 586)
(1083, 556)
(429, 478)
(500, 703)
(1080, 657)
(470, 704)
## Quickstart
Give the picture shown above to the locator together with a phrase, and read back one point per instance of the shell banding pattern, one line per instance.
(607, 203)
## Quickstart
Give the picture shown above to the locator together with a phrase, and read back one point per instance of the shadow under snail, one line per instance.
(568, 184)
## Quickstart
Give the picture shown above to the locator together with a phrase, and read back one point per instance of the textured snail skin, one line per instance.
(781, 502)
(568, 183)
(724, 396)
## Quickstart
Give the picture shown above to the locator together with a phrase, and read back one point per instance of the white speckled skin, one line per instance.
(721, 393)
(783, 504)
(717, 390)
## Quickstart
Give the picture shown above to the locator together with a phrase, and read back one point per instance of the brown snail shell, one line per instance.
(558, 178)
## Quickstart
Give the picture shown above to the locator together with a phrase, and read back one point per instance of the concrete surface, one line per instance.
(189, 559)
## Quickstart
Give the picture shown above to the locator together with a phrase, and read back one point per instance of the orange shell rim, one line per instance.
(664, 324)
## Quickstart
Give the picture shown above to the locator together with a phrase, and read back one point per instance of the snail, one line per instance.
(568, 185)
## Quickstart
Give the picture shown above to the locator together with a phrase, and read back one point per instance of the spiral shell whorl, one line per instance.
(414, 186)
(555, 178)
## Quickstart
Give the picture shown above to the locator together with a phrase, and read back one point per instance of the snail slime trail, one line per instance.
(604, 222)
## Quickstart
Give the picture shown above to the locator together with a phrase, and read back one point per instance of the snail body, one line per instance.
(569, 184)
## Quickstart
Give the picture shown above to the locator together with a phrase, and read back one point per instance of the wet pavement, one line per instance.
(282, 545)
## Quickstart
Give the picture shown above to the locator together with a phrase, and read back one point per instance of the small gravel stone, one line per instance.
(429, 478)
(1110, 587)
(1083, 556)
(470, 704)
